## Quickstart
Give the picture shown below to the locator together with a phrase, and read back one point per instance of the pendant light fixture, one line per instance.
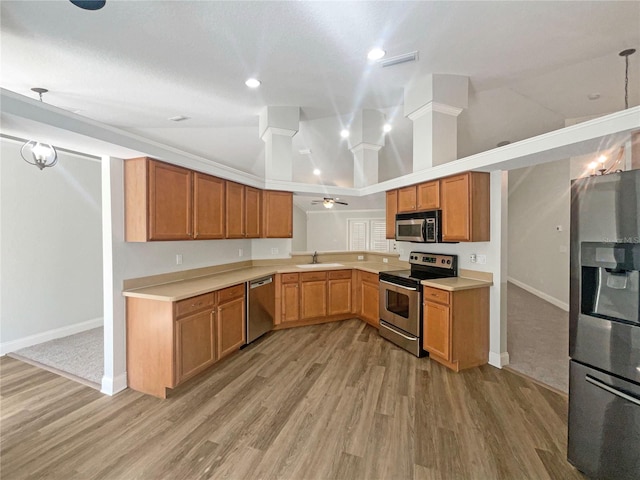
(625, 54)
(36, 153)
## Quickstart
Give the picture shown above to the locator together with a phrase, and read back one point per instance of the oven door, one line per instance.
(410, 229)
(400, 306)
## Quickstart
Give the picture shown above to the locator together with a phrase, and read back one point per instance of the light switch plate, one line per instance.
(179, 259)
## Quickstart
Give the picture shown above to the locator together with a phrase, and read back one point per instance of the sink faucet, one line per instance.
(314, 259)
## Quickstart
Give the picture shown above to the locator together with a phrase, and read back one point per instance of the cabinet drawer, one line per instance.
(369, 277)
(290, 277)
(230, 293)
(436, 295)
(194, 304)
(339, 274)
(313, 276)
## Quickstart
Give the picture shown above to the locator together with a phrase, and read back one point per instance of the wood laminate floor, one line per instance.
(332, 401)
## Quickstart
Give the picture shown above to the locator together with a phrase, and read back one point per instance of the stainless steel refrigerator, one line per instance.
(604, 326)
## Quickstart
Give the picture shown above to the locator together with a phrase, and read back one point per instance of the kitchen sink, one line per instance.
(320, 265)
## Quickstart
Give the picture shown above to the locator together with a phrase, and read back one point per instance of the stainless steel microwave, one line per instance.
(421, 227)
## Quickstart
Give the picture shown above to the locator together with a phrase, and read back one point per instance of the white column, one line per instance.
(365, 141)
(433, 104)
(277, 127)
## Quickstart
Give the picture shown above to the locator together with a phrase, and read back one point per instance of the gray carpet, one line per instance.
(81, 355)
(537, 338)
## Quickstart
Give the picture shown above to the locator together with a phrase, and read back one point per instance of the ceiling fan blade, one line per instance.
(341, 203)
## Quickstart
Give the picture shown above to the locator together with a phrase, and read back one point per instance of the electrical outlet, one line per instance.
(473, 258)
(240, 252)
(482, 259)
(274, 251)
(360, 257)
(385, 260)
(179, 259)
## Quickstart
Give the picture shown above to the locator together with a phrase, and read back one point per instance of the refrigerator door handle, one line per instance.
(612, 390)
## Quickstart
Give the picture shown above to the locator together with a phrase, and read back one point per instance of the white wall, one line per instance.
(51, 256)
(538, 254)
(327, 229)
(299, 240)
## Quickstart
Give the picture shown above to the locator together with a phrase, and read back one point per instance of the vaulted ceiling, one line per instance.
(134, 64)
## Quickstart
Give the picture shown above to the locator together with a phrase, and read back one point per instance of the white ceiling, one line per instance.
(134, 64)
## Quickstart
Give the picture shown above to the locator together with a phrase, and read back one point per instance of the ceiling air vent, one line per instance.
(398, 59)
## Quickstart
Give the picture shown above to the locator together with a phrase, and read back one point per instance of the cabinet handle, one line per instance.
(196, 304)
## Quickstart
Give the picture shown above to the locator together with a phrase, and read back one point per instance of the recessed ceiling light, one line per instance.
(253, 83)
(387, 128)
(376, 54)
(593, 96)
(344, 133)
(316, 171)
(179, 118)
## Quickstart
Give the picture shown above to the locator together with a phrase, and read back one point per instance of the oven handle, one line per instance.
(612, 390)
(399, 286)
(413, 339)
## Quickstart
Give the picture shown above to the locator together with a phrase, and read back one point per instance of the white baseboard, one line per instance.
(13, 345)
(558, 303)
(113, 385)
(499, 360)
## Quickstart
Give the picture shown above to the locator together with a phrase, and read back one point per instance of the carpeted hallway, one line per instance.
(537, 338)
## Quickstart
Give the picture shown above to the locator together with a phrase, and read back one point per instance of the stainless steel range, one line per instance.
(401, 298)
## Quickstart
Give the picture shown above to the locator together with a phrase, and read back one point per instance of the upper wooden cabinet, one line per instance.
(391, 211)
(208, 207)
(407, 199)
(277, 214)
(158, 201)
(252, 217)
(415, 198)
(235, 210)
(428, 195)
(465, 207)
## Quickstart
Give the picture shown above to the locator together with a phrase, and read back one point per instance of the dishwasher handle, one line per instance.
(260, 282)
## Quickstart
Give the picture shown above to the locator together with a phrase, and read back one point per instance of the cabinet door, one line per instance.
(170, 210)
(455, 208)
(208, 206)
(252, 212)
(369, 306)
(437, 330)
(235, 210)
(195, 346)
(339, 296)
(428, 195)
(277, 214)
(407, 199)
(313, 299)
(230, 326)
(290, 302)
(391, 211)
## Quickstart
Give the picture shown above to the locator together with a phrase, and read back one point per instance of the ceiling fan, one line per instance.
(328, 202)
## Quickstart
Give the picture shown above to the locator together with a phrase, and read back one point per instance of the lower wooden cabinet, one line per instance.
(313, 295)
(339, 292)
(369, 298)
(170, 342)
(290, 297)
(195, 344)
(456, 327)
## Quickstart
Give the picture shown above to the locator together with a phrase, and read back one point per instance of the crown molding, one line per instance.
(434, 107)
(365, 146)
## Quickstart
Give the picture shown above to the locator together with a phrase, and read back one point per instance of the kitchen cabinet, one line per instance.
(170, 342)
(456, 326)
(230, 320)
(313, 295)
(465, 207)
(290, 297)
(277, 214)
(407, 197)
(235, 215)
(428, 195)
(369, 298)
(339, 292)
(158, 201)
(391, 211)
(209, 207)
(252, 216)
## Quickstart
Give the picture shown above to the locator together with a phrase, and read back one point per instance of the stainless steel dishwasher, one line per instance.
(261, 302)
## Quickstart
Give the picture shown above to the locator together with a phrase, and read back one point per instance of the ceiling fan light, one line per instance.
(327, 204)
